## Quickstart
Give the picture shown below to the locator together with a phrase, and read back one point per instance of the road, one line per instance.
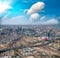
(47, 49)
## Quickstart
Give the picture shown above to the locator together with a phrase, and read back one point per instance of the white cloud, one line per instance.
(33, 11)
(59, 17)
(36, 8)
(4, 6)
(34, 17)
(42, 18)
(25, 11)
(51, 21)
(14, 20)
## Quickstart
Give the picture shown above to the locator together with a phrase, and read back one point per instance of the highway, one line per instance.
(47, 49)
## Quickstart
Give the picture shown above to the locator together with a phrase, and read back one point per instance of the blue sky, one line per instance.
(20, 12)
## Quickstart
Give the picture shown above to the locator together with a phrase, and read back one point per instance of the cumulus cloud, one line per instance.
(36, 8)
(34, 17)
(51, 21)
(33, 11)
(25, 11)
